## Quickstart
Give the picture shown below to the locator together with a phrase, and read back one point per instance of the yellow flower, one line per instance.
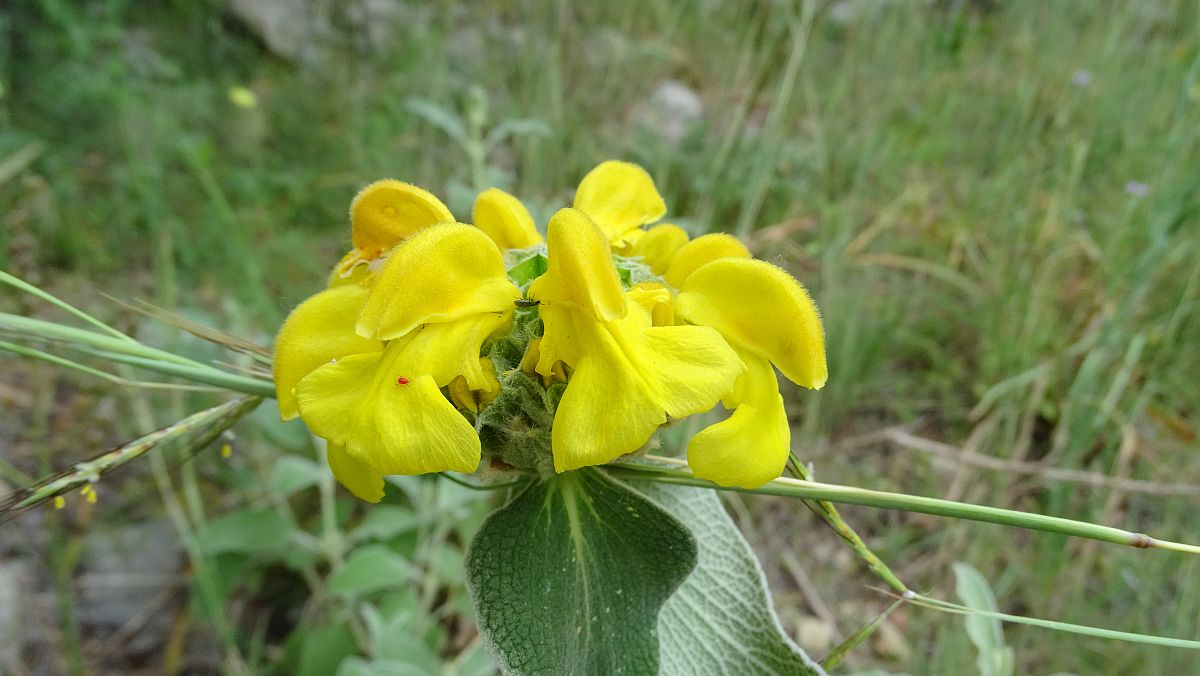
(620, 197)
(386, 408)
(364, 367)
(505, 220)
(417, 348)
(629, 376)
(763, 313)
(769, 319)
(440, 274)
(318, 331)
(696, 253)
(381, 216)
(658, 246)
(243, 97)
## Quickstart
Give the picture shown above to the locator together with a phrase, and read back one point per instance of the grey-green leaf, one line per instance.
(293, 473)
(370, 569)
(439, 116)
(720, 621)
(357, 666)
(569, 577)
(987, 633)
(248, 530)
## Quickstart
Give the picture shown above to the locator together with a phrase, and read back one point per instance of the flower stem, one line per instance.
(795, 488)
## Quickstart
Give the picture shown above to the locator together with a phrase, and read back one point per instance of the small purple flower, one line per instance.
(1082, 78)
(1137, 188)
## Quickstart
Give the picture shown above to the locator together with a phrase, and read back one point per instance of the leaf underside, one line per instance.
(720, 621)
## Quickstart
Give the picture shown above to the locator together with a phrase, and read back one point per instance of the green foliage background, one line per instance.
(959, 184)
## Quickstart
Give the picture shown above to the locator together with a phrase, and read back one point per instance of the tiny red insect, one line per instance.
(402, 380)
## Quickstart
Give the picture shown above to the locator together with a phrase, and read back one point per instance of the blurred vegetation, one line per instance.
(994, 204)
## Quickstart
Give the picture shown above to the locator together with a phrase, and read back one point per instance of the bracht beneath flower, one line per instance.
(440, 344)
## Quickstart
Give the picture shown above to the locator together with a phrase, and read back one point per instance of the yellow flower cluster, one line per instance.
(392, 363)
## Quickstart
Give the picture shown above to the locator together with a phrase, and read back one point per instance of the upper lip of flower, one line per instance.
(442, 273)
(620, 198)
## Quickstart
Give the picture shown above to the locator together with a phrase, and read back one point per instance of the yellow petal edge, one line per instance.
(505, 220)
(387, 211)
(759, 307)
(620, 197)
(317, 331)
(629, 376)
(439, 274)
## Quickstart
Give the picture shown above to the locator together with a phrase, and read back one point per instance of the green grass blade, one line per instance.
(200, 374)
(110, 377)
(839, 653)
(136, 354)
(1162, 641)
(39, 328)
(21, 284)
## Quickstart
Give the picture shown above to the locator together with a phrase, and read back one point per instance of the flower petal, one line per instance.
(659, 245)
(580, 272)
(352, 269)
(654, 298)
(750, 447)
(603, 415)
(462, 394)
(505, 220)
(693, 365)
(629, 378)
(318, 330)
(761, 308)
(358, 477)
(387, 211)
(700, 251)
(448, 350)
(620, 197)
(388, 417)
(439, 274)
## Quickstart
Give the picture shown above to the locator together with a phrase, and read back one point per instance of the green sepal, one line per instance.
(633, 271)
(569, 577)
(531, 264)
(515, 426)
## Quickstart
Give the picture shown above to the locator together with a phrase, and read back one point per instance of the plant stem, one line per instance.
(829, 513)
(795, 488)
(945, 606)
(198, 429)
(842, 649)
